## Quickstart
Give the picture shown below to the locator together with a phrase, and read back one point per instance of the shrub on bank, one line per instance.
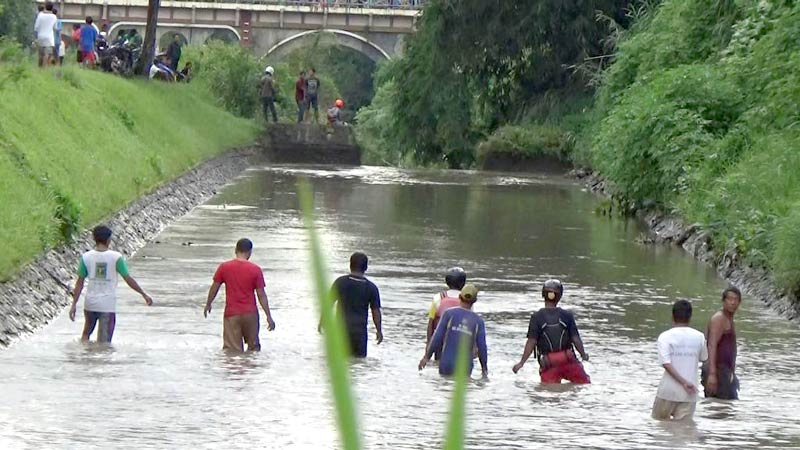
(231, 72)
(77, 145)
(529, 141)
(701, 117)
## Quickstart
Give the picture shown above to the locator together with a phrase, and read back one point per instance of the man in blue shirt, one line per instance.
(88, 39)
(456, 324)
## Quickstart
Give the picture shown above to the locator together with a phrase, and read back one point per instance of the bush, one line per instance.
(658, 134)
(528, 141)
(786, 260)
(16, 20)
(231, 73)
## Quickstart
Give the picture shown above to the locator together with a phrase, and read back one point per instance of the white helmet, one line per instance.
(269, 70)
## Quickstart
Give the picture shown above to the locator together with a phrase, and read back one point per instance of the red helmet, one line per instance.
(339, 103)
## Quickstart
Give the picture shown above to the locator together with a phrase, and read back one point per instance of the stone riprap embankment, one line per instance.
(42, 289)
(669, 229)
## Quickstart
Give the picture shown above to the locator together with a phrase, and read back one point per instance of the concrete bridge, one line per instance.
(375, 28)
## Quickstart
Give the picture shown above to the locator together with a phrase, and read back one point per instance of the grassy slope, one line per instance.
(98, 142)
(700, 117)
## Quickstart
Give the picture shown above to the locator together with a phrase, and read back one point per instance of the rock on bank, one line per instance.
(664, 228)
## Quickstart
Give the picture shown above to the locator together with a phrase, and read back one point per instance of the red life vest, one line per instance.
(446, 303)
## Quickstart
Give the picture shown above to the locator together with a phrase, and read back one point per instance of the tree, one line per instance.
(476, 64)
(16, 20)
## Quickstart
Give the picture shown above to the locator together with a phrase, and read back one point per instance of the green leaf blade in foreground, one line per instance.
(335, 344)
(454, 439)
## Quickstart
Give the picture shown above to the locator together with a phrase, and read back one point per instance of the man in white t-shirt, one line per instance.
(45, 28)
(681, 349)
(101, 267)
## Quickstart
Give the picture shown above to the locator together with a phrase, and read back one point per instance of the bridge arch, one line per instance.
(344, 38)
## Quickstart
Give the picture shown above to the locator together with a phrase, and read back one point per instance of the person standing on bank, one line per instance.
(174, 52)
(300, 96)
(243, 281)
(354, 294)
(101, 267)
(553, 334)
(719, 377)
(457, 324)
(268, 91)
(312, 93)
(680, 351)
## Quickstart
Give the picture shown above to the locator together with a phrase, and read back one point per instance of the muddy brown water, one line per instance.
(165, 383)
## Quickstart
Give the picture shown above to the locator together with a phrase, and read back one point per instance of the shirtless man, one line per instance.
(718, 375)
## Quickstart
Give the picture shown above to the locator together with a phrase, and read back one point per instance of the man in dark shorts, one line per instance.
(312, 93)
(243, 281)
(101, 268)
(718, 374)
(552, 332)
(354, 294)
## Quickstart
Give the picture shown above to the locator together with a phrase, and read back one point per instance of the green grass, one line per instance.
(337, 353)
(78, 145)
(699, 117)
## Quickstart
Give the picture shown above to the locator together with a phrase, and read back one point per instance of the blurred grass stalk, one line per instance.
(337, 354)
(335, 344)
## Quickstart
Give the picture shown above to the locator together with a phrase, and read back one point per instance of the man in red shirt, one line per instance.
(300, 96)
(243, 280)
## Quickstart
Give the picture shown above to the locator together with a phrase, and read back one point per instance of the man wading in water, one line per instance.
(354, 294)
(101, 267)
(455, 279)
(553, 332)
(242, 279)
(718, 375)
(459, 324)
(680, 350)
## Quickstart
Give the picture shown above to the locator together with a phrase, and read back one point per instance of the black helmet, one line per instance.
(553, 285)
(455, 278)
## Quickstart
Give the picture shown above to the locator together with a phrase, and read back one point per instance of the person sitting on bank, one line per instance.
(553, 334)
(458, 325)
(335, 113)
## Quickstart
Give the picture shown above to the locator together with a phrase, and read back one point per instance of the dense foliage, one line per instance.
(700, 116)
(475, 65)
(16, 20)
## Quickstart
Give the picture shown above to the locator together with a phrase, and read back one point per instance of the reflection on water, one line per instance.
(165, 382)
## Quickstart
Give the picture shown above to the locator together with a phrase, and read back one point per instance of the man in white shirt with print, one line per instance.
(681, 349)
(101, 267)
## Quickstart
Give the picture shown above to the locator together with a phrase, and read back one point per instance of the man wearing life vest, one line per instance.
(455, 278)
(459, 325)
(553, 334)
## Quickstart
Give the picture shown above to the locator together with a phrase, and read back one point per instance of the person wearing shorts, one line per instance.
(45, 27)
(101, 268)
(244, 281)
(312, 93)
(88, 39)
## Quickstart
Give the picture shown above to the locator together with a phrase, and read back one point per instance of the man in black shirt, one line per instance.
(553, 334)
(354, 294)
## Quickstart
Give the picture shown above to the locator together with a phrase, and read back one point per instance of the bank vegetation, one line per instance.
(686, 106)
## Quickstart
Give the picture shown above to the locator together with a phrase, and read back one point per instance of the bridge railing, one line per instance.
(350, 4)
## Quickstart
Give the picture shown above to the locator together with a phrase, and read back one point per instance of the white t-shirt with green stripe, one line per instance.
(100, 269)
